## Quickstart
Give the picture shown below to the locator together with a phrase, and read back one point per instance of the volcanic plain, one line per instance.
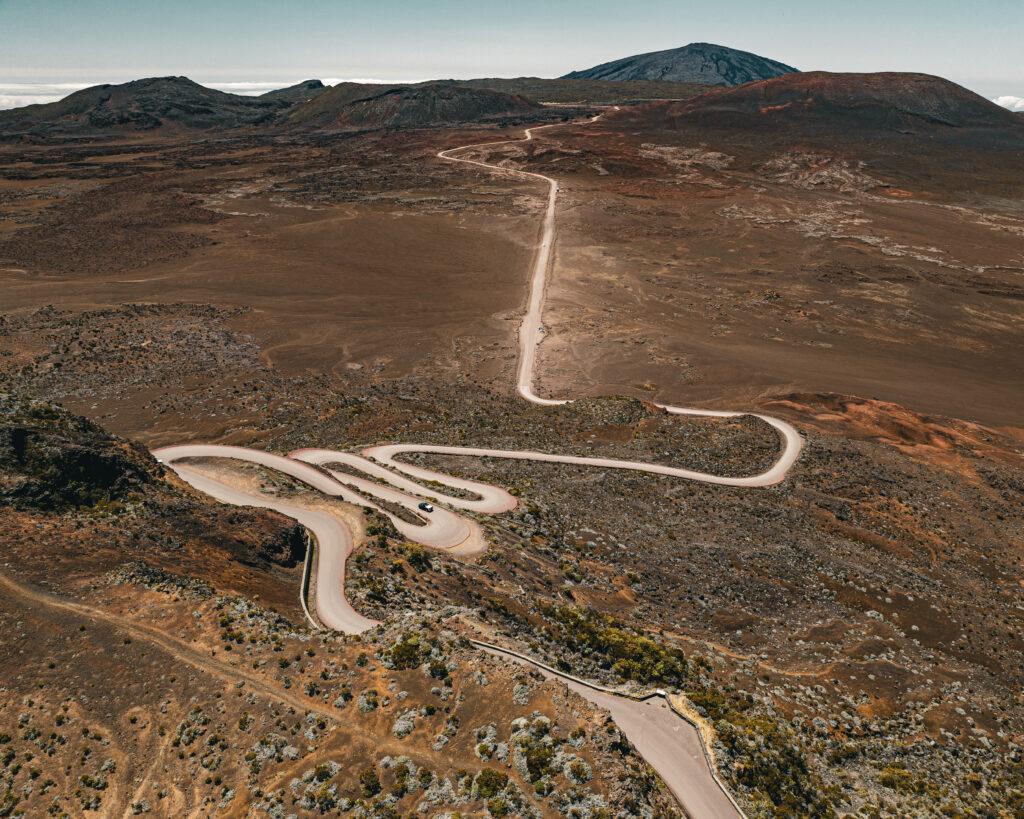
(848, 640)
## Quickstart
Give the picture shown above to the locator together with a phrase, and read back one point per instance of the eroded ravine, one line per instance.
(379, 479)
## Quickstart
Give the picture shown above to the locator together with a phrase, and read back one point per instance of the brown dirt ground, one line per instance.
(678, 276)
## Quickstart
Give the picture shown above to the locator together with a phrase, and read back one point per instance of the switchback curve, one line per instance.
(378, 479)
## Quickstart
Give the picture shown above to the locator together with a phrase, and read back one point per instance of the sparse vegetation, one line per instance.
(630, 655)
(845, 636)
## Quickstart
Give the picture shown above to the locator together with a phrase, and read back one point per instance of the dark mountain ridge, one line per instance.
(705, 63)
(172, 104)
(604, 92)
(884, 100)
(150, 104)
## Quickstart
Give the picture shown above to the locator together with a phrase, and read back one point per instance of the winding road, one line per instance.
(379, 479)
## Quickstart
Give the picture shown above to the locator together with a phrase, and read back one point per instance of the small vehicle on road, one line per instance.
(426, 507)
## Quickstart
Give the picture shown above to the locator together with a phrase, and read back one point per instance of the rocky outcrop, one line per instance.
(51, 460)
(285, 547)
(697, 63)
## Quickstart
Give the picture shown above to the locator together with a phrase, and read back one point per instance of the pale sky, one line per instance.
(978, 44)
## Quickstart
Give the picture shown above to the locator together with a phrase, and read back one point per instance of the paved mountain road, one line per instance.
(379, 479)
(530, 334)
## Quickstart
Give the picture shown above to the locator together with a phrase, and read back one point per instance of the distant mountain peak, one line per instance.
(705, 63)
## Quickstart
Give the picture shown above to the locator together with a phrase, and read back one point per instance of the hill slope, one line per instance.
(352, 105)
(325, 107)
(587, 91)
(863, 101)
(163, 589)
(697, 63)
(294, 94)
(915, 131)
(145, 105)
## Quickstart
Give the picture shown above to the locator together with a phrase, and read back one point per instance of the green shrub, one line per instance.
(417, 557)
(901, 780)
(490, 782)
(538, 761)
(407, 653)
(369, 782)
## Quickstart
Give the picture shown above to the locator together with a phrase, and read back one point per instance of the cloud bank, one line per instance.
(248, 89)
(1013, 103)
(17, 94)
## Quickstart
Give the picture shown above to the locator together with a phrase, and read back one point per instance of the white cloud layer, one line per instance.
(1013, 103)
(367, 81)
(17, 94)
(248, 89)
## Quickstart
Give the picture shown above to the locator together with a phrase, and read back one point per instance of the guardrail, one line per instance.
(307, 572)
(492, 648)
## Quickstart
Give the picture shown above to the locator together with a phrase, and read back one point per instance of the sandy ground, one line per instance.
(384, 290)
